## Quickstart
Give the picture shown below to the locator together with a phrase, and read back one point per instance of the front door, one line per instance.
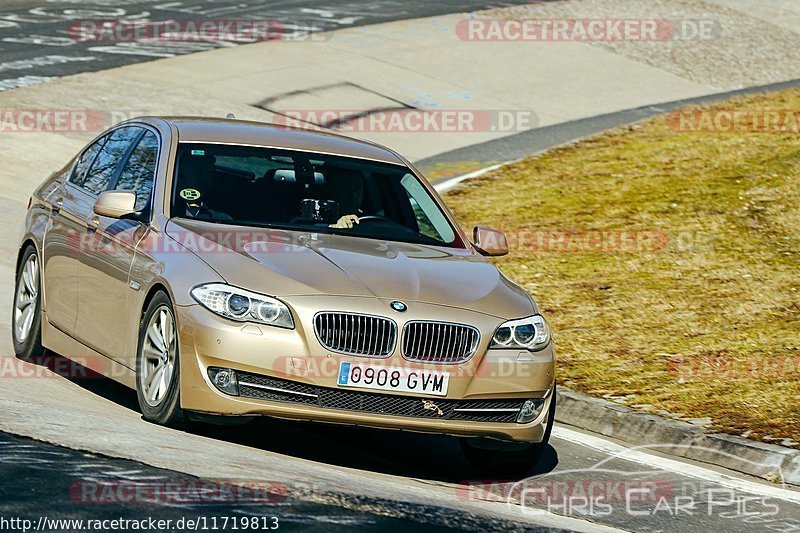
(104, 272)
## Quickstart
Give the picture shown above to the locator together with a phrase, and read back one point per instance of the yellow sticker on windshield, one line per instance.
(190, 194)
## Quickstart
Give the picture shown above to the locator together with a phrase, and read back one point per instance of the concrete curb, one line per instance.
(674, 437)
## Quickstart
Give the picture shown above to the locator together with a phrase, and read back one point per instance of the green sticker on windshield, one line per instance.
(189, 194)
(198, 152)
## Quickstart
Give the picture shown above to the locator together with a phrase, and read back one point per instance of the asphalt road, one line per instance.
(67, 488)
(43, 39)
(581, 479)
(580, 476)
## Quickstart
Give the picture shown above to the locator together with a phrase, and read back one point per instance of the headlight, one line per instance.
(243, 306)
(531, 333)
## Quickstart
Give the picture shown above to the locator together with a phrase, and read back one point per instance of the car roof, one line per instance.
(233, 131)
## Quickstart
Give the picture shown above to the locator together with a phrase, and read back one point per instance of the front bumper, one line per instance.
(207, 340)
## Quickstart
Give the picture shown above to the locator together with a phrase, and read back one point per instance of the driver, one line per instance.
(346, 221)
(346, 188)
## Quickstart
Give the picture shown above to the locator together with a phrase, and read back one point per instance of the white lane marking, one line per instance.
(41, 40)
(451, 183)
(670, 465)
(42, 61)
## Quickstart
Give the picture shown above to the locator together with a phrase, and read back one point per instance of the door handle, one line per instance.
(93, 223)
(56, 207)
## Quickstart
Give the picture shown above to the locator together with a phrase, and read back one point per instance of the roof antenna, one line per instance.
(230, 115)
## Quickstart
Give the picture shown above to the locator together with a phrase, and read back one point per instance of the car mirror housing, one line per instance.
(115, 204)
(489, 242)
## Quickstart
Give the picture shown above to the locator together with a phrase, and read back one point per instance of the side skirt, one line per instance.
(56, 340)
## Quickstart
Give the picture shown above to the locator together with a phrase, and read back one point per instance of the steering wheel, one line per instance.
(375, 218)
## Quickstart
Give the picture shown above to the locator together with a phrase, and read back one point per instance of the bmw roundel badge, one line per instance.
(398, 306)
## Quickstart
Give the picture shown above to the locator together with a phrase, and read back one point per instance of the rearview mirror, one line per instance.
(115, 204)
(489, 241)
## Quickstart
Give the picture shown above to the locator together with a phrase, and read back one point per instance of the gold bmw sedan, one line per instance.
(229, 269)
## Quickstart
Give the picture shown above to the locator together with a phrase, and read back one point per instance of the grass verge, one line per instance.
(667, 262)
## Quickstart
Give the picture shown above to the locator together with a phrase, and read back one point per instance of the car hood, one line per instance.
(290, 263)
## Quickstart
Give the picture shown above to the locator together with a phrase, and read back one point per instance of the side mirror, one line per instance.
(115, 204)
(489, 241)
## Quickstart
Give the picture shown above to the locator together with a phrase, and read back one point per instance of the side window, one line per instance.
(430, 220)
(109, 158)
(139, 171)
(423, 222)
(85, 160)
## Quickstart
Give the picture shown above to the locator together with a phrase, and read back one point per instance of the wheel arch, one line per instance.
(25, 242)
(154, 289)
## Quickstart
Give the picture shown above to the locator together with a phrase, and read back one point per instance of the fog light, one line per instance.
(530, 410)
(225, 380)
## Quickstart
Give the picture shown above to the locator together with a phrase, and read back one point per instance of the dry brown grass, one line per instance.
(701, 317)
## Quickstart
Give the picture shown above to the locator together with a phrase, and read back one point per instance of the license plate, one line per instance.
(365, 376)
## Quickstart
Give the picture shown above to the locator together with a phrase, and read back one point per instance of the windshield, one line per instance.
(266, 187)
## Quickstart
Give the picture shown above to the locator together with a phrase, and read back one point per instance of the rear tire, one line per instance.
(158, 365)
(497, 458)
(26, 314)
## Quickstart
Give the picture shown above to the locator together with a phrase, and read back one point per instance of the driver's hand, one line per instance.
(346, 221)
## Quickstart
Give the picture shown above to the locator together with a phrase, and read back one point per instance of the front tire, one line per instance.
(26, 317)
(158, 365)
(497, 458)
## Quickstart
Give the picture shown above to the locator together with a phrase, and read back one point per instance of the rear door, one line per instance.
(62, 243)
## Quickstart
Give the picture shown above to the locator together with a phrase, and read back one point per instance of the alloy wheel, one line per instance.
(157, 364)
(25, 304)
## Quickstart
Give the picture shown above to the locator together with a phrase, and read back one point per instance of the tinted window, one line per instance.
(251, 167)
(139, 171)
(109, 158)
(266, 187)
(85, 160)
